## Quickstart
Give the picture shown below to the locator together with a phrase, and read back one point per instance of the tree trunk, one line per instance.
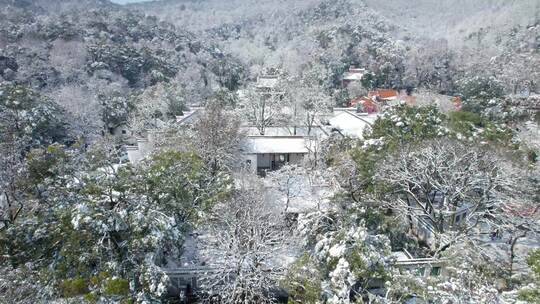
(512, 252)
(308, 124)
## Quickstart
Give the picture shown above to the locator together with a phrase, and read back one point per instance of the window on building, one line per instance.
(435, 271)
(124, 131)
(420, 271)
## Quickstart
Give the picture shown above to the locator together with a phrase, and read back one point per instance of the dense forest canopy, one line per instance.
(269, 151)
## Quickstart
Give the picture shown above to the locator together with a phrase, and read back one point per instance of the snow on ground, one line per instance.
(305, 196)
(306, 190)
(500, 247)
(284, 131)
(529, 133)
(304, 200)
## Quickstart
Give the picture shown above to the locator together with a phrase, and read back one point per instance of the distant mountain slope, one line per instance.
(55, 6)
(458, 20)
(202, 46)
(105, 36)
(92, 52)
(424, 43)
(292, 35)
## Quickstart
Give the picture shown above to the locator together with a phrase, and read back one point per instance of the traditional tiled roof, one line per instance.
(354, 74)
(275, 145)
(384, 94)
(350, 123)
(268, 81)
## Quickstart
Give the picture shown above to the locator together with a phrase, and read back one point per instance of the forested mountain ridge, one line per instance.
(82, 54)
(425, 46)
(53, 7)
(327, 33)
(445, 19)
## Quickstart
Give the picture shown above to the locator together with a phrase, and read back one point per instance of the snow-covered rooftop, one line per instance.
(267, 81)
(275, 144)
(284, 131)
(188, 116)
(353, 76)
(401, 255)
(351, 124)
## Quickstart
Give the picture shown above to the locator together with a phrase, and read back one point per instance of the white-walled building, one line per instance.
(279, 145)
(267, 82)
(422, 267)
(145, 145)
(268, 153)
(143, 148)
(352, 75)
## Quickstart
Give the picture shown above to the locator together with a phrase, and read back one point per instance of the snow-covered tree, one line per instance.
(263, 107)
(477, 92)
(102, 231)
(447, 187)
(289, 180)
(24, 113)
(308, 101)
(156, 106)
(84, 110)
(217, 136)
(354, 258)
(349, 258)
(245, 238)
(530, 292)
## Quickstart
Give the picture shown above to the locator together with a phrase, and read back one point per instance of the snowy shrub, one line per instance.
(108, 234)
(352, 257)
(303, 280)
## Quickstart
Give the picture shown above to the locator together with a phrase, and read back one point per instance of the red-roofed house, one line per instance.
(457, 102)
(364, 104)
(384, 94)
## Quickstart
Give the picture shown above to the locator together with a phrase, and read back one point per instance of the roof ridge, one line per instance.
(358, 116)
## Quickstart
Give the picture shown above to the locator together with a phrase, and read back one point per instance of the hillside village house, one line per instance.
(350, 123)
(425, 229)
(120, 130)
(364, 104)
(291, 144)
(280, 144)
(269, 153)
(264, 83)
(267, 82)
(352, 75)
(384, 95)
(375, 99)
(422, 267)
(423, 224)
(259, 153)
